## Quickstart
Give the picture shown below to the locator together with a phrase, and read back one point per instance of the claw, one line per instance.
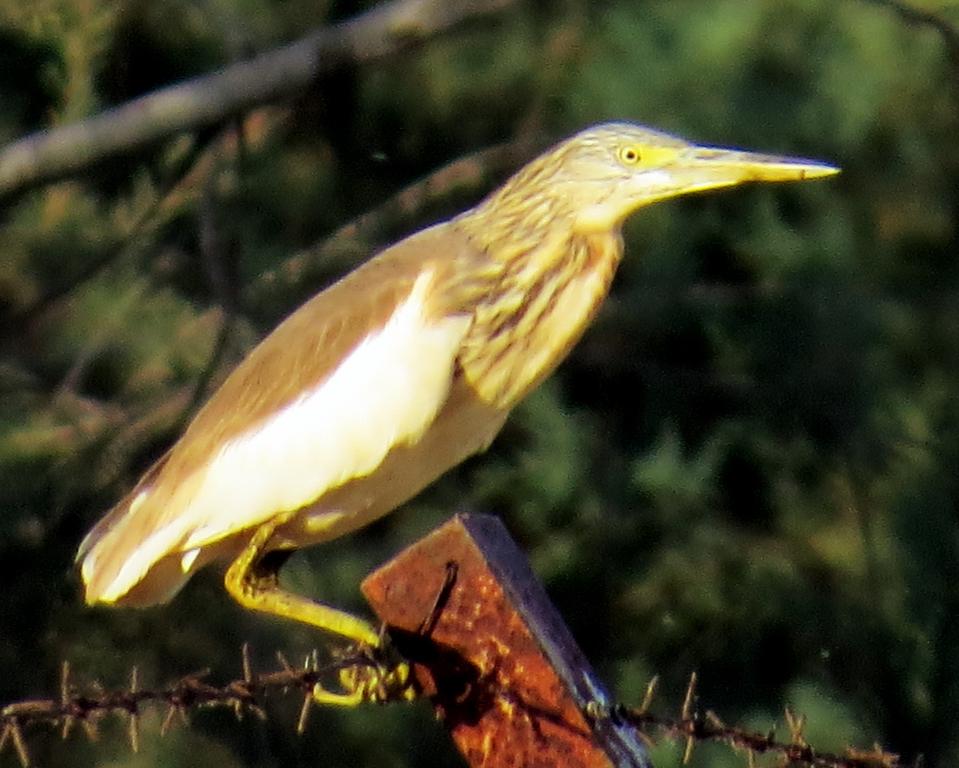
(378, 677)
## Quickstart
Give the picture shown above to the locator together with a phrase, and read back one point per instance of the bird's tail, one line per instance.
(120, 564)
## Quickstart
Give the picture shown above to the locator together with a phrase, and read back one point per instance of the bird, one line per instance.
(399, 371)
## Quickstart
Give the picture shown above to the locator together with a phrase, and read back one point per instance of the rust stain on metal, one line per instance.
(498, 664)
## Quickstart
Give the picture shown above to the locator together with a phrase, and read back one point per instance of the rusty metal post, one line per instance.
(494, 655)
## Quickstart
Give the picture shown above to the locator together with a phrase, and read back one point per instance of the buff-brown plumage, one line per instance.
(402, 369)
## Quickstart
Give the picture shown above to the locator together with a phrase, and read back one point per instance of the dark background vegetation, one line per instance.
(747, 468)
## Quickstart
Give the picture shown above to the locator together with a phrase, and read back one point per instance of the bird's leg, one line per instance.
(252, 580)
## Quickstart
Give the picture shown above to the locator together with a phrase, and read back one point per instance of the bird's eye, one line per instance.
(629, 155)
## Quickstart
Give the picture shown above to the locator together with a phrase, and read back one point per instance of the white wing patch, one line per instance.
(386, 392)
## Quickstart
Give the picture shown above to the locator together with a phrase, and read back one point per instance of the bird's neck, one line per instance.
(511, 223)
(551, 280)
(531, 240)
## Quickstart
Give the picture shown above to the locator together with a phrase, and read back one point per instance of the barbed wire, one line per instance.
(692, 727)
(246, 696)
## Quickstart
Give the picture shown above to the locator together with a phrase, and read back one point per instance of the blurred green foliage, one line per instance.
(747, 467)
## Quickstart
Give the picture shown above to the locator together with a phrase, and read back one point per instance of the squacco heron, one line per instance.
(399, 371)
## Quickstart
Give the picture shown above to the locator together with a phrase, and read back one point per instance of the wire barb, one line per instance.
(650, 693)
(796, 725)
(134, 711)
(690, 698)
(13, 734)
(65, 690)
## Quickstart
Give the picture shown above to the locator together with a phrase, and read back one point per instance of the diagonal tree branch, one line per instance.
(920, 17)
(206, 100)
(358, 238)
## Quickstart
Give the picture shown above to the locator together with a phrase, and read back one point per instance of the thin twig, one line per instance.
(218, 257)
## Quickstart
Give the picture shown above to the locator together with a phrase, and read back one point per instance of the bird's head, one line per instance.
(606, 172)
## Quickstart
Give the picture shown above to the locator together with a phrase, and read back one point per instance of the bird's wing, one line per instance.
(113, 518)
(361, 368)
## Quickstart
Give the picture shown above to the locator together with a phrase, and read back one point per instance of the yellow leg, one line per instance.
(252, 580)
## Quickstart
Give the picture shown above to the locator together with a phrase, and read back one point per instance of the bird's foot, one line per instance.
(370, 674)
